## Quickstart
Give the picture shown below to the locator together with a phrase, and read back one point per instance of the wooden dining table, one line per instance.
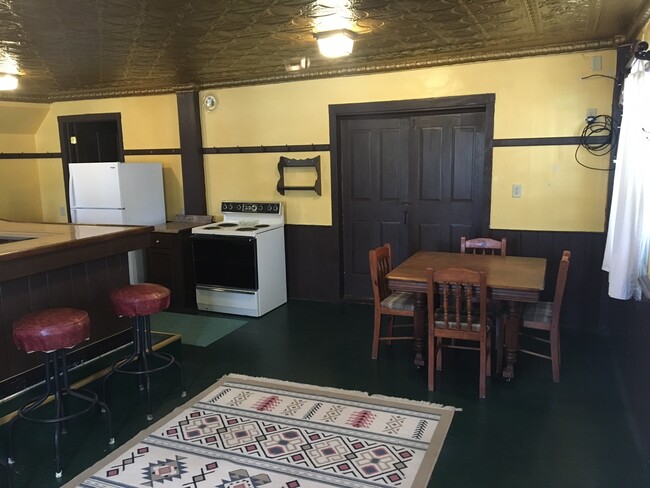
(513, 279)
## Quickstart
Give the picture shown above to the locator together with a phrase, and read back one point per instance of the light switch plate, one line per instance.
(516, 190)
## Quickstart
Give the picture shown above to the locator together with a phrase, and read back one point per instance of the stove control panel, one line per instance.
(252, 207)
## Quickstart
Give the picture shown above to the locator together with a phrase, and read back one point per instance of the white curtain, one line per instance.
(628, 236)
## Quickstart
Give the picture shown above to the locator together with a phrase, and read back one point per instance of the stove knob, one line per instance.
(253, 208)
(230, 206)
(238, 207)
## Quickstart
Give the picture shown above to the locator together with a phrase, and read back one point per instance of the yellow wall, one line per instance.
(147, 122)
(20, 195)
(535, 97)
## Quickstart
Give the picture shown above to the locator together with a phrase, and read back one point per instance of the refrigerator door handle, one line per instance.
(97, 208)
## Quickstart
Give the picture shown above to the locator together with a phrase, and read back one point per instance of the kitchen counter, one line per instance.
(62, 265)
(70, 243)
(175, 227)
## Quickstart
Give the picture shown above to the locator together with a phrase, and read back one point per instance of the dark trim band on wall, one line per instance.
(30, 155)
(267, 149)
(150, 152)
(550, 141)
(527, 141)
(206, 150)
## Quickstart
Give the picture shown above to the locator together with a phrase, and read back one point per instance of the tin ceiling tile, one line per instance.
(73, 49)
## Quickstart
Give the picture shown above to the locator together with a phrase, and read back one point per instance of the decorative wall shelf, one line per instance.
(299, 163)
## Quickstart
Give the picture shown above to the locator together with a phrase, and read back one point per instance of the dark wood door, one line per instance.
(93, 142)
(412, 181)
(375, 177)
(446, 179)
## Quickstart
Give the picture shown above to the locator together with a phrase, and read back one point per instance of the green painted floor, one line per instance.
(526, 433)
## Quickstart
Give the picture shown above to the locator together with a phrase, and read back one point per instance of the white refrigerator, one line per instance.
(118, 193)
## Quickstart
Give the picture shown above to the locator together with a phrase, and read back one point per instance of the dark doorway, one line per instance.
(90, 138)
(418, 178)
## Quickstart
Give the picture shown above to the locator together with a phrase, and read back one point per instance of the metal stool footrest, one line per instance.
(119, 367)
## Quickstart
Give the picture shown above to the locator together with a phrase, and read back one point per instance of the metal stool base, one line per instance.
(138, 362)
(57, 384)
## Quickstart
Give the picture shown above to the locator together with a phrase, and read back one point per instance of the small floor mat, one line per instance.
(195, 330)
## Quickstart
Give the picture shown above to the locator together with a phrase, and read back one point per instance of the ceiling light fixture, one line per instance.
(335, 43)
(8, 82)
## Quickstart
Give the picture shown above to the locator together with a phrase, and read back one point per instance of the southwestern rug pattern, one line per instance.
(252, 432)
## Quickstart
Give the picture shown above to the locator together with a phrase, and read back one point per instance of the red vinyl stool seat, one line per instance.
(142, 299)
(52, 331)
(139, 302)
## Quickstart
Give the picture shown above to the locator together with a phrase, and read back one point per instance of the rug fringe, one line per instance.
(406, 401)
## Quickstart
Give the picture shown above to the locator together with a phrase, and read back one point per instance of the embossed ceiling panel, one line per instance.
(73, 49)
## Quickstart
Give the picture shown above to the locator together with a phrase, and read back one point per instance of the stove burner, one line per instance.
(261, 226)
(211, 227)
(244, 229)
(225, 224)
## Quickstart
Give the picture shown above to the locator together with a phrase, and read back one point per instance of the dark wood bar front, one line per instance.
(62, 265)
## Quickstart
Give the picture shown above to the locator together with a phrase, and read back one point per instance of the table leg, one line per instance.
(513, 322)
(419, 327)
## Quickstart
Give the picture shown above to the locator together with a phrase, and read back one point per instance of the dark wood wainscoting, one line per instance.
(313, 267)
(629, 325)
(312, 254)
(85, 286)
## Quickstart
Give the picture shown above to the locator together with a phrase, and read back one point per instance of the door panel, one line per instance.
(462, 164)
(431, 172)
(429, 235)
(361, 230)
(445, 158)
(374, 183)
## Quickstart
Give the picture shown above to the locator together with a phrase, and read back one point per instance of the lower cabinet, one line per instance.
(169, 263)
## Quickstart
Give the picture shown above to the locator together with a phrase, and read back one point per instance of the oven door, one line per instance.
(227, 262)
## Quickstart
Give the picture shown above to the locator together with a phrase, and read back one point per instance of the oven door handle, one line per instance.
(222, 289)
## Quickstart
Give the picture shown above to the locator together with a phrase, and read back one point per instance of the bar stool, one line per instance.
(139, 302)
(52, 331)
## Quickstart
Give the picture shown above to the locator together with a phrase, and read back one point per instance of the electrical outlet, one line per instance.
(62, 211)
(516, 190)
(591, 112)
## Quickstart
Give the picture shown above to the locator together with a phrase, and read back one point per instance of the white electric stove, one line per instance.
(239, 263)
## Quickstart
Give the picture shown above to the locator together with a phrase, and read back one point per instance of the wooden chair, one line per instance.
(387, 303)
(543, 316)
(483, 245)
(458, 316)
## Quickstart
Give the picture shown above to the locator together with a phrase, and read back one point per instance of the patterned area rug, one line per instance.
(252, 432)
